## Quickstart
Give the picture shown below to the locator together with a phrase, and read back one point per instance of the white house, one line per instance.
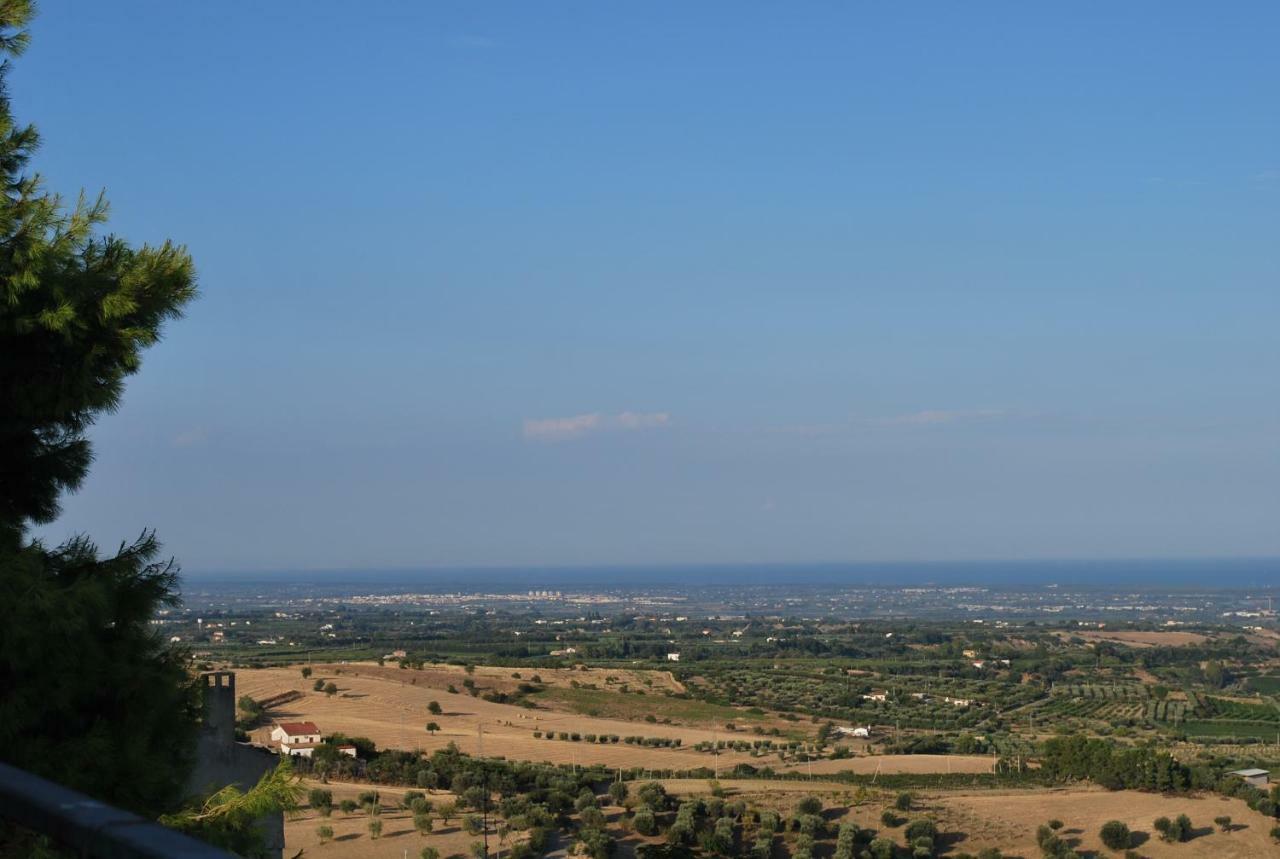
(673, 657)
(295, 733)
(876, 695)
(857, 733)
(1255, 777)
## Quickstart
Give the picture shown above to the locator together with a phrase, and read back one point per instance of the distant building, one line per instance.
(673, 657)
(295, 733)
(1255, 777)
(876, 695)
(857, 733)
(568, 651)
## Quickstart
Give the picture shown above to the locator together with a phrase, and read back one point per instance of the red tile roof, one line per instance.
(293, 729)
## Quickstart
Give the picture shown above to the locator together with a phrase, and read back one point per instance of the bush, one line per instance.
(321, 801)
(644, 822)
(889, 819)
(903, 802)
(1115, 834)
(324, 833)
(809, 805)
(348, 806)
(921, 828)
(375, 829)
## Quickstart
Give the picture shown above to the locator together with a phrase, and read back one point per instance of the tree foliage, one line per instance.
(226, 818)
(92, 697)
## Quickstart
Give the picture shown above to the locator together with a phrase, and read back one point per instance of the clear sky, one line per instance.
(578, 283)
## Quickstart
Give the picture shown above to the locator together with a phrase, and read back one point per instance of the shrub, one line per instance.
(1224, 823)
(375, 829)
(903, 802)
(921, 828)
(889, 819)
(321, 800)
(644, 822)
(1115, 834)
(324, 833)
(429, 853)
(809, 805)
(348, 806)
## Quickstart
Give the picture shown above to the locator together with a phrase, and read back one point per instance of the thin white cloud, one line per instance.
(939, 416)
(577, 426)
(927, 417)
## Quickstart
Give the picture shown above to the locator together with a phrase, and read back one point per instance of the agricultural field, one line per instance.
(967, 722)
(1134, 638)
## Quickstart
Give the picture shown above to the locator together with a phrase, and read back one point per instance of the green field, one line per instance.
(1265, 685)
(1263, 731)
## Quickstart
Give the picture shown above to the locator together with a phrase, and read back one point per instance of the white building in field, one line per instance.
(1255, 777)
(856, 733)
(295, 732)
(673, 657)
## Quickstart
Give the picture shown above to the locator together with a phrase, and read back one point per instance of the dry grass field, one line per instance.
(1139, 639)
(1003, 819)
(386, 705)
(1008, 820)
(351, 837)
(389, 706)
(900, 764)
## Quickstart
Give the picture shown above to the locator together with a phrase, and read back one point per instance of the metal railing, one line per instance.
(93, 829)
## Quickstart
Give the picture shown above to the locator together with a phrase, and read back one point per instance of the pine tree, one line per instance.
(91, 697)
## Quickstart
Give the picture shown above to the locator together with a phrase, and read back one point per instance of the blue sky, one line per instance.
(581, 283)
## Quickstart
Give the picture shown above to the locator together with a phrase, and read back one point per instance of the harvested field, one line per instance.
(1009, 821)
(900, 764)
(1139, 639)
(352, 839)
(383, 705)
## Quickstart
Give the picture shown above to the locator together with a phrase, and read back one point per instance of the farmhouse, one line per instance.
(295, 733)
(876, 695)
(673, 657)
(1255, 777)
(860, 733)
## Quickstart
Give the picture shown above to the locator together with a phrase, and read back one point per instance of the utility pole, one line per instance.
(484, 782)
